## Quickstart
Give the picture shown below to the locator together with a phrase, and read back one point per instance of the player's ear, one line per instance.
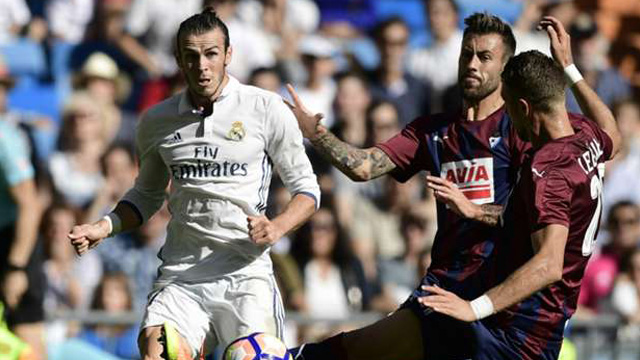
(227, 57)
(524, 107)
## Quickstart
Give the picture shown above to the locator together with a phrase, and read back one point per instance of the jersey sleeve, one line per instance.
(149, 190)
(286, 149)
(407, 150)
(15, 165)
(553, 194)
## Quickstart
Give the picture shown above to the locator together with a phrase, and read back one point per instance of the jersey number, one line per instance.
(589, 242)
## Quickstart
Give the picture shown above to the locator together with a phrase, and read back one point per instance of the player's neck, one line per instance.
(553, 125)
(204, 103)
(481, 109)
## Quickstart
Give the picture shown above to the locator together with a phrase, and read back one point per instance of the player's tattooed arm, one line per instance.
(448, 193)
(490, 214)
(357, 164)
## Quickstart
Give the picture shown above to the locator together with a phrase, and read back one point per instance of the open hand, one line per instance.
(447, 303)
(560, 40)
(308, 122)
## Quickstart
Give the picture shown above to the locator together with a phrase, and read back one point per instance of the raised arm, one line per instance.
(357, 164)
(590, 103)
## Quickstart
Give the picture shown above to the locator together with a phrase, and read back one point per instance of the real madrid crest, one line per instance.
(237, 131)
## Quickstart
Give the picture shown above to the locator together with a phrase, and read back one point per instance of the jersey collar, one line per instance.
(184, 106)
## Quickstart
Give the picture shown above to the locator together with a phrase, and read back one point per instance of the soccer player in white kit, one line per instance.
(216, 144)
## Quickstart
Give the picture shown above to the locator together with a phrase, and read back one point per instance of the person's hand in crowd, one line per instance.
(14, 285)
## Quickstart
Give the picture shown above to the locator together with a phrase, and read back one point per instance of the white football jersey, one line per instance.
(220, 168)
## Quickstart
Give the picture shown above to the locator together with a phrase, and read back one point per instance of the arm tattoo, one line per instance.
(357, 164)
(491, 214)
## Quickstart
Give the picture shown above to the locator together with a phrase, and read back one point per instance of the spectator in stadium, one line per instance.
(319, 90)
(266, 78)
(625, 297)
(74, 169)
(102, 79)
(119, 170)
(624, 169)
(401, 274)
(153, 24)
(21, 256)
(590, 49)
(378, 119)
(252, 48)
(334, 283)
(216, 269)
(70, 280)
(623, 227)
(68, 20)
(437, 64)
(390, 81)
(113, 295)
(22, 281)
(350, 108)
(135, 254)
(16, 18)
(383, 122)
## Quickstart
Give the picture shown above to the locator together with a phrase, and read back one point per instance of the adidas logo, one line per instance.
(176, 138)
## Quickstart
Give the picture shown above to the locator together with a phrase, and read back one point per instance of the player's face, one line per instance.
(480, 65)
(203, 59)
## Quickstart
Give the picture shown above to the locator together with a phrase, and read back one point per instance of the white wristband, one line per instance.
(482, 307)
(573, 74)
(115, 224)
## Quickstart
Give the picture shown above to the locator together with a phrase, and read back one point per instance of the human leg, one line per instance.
(163, 342)
(174, 326)
(396, 336)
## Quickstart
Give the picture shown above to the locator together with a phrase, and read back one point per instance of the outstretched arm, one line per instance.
(357, 164)
(590, 103)
(87, 236)
(448, 193)
(543, 269)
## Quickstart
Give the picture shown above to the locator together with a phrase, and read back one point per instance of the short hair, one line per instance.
(485, 24)
(379, 29)
(452, 3)
(611, 216)
(533, 76)
(200, 23)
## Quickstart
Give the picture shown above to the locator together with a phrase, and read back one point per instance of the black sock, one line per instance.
(331, 348)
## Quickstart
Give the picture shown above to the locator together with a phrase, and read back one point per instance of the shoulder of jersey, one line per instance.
(166, 107)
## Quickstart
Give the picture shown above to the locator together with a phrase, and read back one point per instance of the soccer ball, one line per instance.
(257, 346)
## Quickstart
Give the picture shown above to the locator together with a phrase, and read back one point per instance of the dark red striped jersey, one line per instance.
(560, 183)
(482, 158)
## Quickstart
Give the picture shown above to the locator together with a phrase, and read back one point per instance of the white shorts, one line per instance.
(216, 313)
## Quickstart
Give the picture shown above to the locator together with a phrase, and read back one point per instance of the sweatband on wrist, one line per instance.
(572, 74)
(115, 224)
(482, 307)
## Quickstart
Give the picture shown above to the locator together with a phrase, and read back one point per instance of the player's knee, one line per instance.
(149, 343)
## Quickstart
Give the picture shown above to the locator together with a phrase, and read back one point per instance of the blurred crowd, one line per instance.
(76, 74)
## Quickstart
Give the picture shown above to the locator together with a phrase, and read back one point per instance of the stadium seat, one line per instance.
(25, 58)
